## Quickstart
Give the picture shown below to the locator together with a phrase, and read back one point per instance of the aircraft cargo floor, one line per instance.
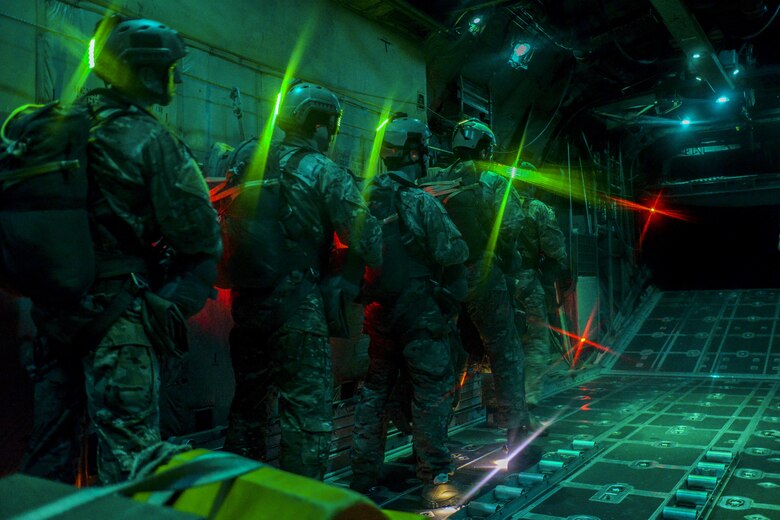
(681, 422)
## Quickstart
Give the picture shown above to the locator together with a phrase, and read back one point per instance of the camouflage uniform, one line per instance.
(146, 186)
(540, 237)
(294, 358)
(409, 335)
(489, 304)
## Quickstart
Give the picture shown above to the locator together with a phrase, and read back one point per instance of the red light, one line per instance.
(337, 243)
(521, 49)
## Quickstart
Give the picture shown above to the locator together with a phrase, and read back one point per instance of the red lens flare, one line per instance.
(579, 342)
(655, 208)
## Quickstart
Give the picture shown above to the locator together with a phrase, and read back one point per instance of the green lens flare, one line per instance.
(91, 53)
(87, 58)
(374, 164)
(260, 159)
(381, 126)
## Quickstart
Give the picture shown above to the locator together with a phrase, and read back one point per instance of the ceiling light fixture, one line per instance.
(476, 25)
(521, 55)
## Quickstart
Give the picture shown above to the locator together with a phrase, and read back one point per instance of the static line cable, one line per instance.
(585, 194)
(772, 19)
(557, 108)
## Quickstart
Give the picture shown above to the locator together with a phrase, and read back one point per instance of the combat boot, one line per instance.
(440, 492)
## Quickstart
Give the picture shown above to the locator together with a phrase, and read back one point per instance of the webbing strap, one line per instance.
(450, 188)
(222, 191)
(225, 191)
(92, 333)
(39, 169)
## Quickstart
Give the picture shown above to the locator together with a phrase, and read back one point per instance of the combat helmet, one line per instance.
(306, 105)
(472, 135)
(405, 143)
(135, 45)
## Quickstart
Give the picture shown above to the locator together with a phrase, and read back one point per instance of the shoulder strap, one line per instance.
(291, 160)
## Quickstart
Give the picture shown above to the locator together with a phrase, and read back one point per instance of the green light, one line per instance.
(260, 158)
(278, 103)
(722, 99)
(685, 122)
(493, 239)
(374, 163)
(696, 55)
(476, 20)
(548, 180)
(736, 71)
(91, 53)
(86, 57)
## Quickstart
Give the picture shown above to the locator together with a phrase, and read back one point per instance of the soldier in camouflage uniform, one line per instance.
(475, 200)
(280, 337)
(147, 188)
(423, 263)
(541, 245)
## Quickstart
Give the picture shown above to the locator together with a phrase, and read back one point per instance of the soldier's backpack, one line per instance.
(46, 250)
(461, 195)
(257, 250)
(403, 257)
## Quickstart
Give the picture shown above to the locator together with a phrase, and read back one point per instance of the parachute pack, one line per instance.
(46, 250)
(252, 212)
(467, 210)
(401, 252)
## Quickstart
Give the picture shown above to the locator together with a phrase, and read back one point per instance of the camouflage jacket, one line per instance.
(499, 202)
(540, 235)
(151, 185)
(427, 220)
(325, 199)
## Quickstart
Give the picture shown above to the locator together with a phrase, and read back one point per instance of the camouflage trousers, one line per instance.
(490, 309)
(530, 297)
(419, 350)
(118, 382)
(296, 365)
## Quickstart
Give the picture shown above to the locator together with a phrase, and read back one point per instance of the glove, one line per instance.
(190, 290)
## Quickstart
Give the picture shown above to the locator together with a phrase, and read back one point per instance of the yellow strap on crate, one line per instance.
(270, 493)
